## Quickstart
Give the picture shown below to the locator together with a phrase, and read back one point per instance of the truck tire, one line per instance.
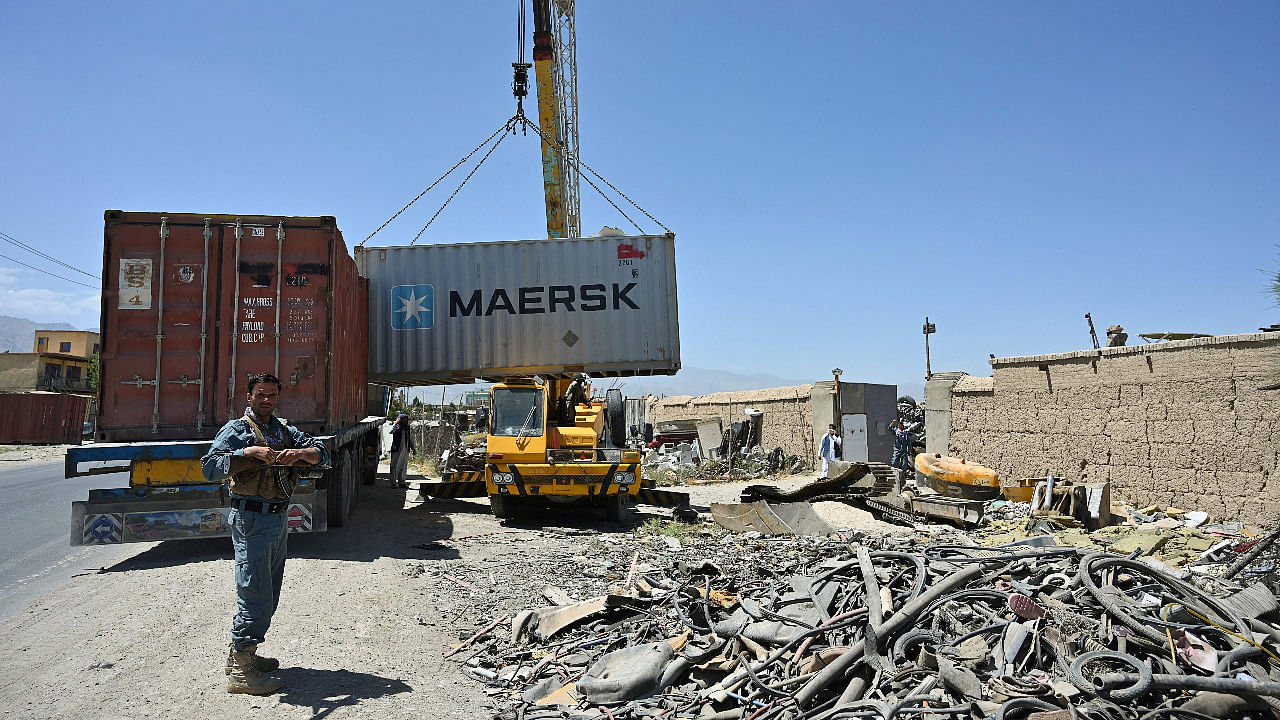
(503, 506)
(340, 487)
(357, 472)
(368, 454)
(615, 418)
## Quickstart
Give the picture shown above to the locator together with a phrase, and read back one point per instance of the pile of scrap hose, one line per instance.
(885, 629)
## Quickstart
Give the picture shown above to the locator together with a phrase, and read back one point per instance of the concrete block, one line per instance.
(1144, 541)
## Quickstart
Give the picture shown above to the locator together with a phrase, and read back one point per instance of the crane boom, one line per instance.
(556, 76)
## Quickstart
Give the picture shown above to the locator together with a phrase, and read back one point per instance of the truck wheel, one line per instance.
(615, 418)
(368, 454)
(357, 472)
(503, 506)
(615, 507)
(340, 488)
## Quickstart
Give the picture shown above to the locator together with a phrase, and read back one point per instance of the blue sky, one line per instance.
(834, 171)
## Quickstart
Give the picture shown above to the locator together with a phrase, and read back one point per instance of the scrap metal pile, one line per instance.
(467, 455)
(823, 629)
(683, 464)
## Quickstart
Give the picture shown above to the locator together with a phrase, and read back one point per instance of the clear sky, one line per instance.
(834, 171)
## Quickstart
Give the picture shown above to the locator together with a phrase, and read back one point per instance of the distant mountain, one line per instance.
(19, 334)
(689, 381)
(695, 381)
(701, 381)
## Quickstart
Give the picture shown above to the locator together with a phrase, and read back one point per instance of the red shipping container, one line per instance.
(41, 418)
(194, 304)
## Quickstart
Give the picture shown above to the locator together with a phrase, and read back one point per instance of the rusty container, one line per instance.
(41, 418)
(194, 304)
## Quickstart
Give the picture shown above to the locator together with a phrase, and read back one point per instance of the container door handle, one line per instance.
(185, 381)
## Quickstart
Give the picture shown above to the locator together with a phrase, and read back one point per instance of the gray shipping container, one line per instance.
(455, 313)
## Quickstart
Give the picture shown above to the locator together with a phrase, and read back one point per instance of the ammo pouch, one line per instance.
(267, 481)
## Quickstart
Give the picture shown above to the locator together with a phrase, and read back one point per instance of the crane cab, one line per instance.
(552, 440)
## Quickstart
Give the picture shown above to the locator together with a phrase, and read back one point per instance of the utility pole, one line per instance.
(836, 373)
(929, 329)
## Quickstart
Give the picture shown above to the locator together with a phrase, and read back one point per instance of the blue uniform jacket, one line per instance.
(220, 463)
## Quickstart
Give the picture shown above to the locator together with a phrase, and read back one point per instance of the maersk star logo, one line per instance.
(412, 307)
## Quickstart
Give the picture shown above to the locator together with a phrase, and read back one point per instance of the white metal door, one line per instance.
(855, 437)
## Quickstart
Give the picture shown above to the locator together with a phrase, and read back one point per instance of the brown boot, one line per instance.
(244, 676)
(262, 662)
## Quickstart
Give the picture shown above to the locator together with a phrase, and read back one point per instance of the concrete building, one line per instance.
(796, 418)
(82, 343)
(44, 371)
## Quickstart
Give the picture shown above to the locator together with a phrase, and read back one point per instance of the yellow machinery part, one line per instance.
(576, 437)
(954, 470)
(184, 471)
(569, 479)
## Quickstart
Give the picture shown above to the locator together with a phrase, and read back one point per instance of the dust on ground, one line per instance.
(32, 453)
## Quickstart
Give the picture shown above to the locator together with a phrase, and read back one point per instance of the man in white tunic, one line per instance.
(829, 449)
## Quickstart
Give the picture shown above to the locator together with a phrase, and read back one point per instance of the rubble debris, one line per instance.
(796, 518)
(674, 432)
(821, 628)
(1175, 537)
(844, 478)
(709, 433)
(681, 464)
(468, 455)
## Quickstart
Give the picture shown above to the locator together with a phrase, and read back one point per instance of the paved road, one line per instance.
(36, 556)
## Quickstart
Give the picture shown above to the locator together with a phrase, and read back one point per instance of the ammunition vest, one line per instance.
(269, 482)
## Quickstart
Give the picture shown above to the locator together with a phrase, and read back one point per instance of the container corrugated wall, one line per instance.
(41, 418)
(452, 313)
(193, 304)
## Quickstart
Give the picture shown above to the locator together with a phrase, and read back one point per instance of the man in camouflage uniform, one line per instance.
(257, 455)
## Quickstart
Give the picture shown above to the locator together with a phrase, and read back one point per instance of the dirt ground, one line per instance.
(366, 615)
(32, 453)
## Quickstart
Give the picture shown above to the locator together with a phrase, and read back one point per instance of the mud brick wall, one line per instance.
(788, 414)
(1178, 423)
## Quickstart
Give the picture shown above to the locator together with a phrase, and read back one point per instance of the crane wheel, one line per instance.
(502, 506)
(615, 507)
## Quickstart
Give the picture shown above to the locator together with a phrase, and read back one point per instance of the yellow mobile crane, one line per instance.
(551, 440)
(548, 439)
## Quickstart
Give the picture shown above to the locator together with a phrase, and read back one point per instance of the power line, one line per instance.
(28, 248)
(46, 272)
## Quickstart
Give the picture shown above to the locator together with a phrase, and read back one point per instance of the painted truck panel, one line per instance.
(453, 313)
(193, 304)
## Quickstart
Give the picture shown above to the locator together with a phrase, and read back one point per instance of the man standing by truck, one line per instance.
(257, 455)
